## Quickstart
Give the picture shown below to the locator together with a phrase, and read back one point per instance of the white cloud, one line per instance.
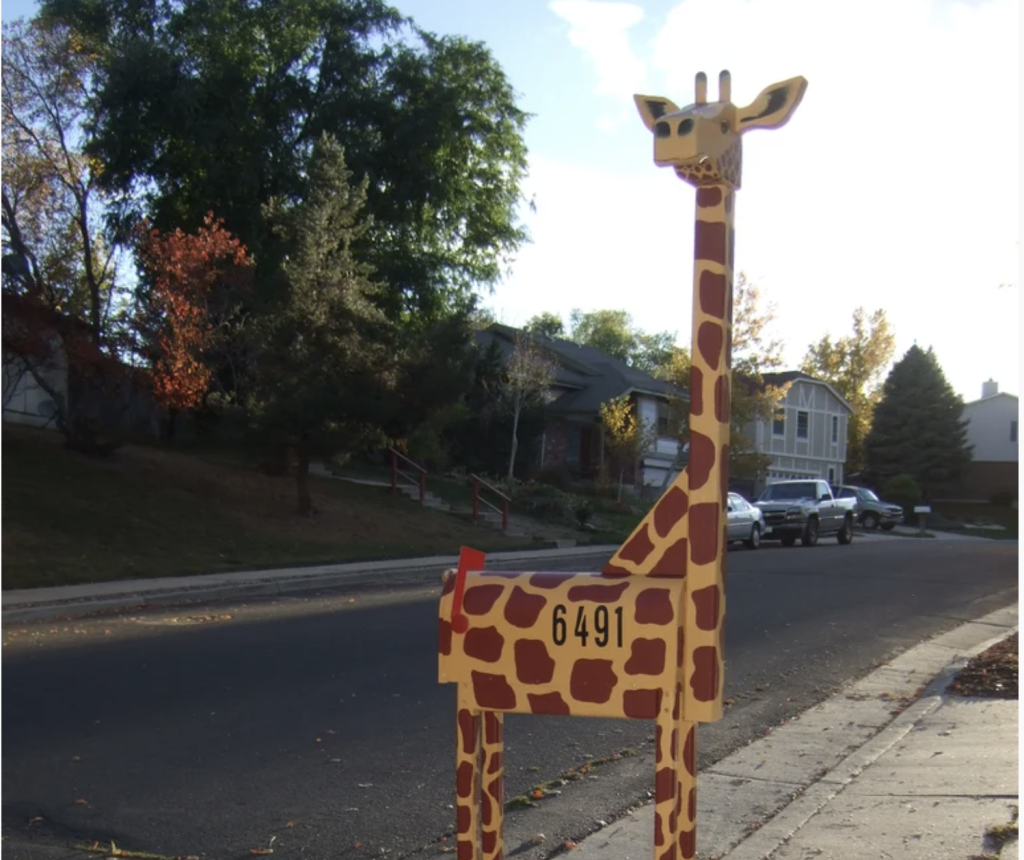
(600, 30)
(894, 186)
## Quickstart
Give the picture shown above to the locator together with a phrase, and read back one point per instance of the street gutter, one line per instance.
(72, 601)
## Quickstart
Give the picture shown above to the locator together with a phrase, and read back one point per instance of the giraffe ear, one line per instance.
(652, 108)
(773, 107)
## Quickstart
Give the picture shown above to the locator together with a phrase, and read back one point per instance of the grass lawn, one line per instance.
(970, 515)
(147, 512)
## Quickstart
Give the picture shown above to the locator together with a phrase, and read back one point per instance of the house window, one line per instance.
(832, 472)
(835, 429)
(662, 419)
(779, 423)
(1013, 431)
(802, 420)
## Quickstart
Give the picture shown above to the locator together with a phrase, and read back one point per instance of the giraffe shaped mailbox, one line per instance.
(643, 639)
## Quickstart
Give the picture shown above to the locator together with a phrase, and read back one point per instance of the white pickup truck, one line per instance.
(806, 510)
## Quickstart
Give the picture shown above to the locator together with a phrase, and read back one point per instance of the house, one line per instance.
(584, 379)
(992, 430)
(807, 436)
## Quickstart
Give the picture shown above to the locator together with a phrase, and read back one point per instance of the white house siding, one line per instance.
(817, 456)
(24, 401)
(989, 428)
(657, 463)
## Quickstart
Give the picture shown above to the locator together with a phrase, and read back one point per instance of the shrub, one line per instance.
(904, 491)
(556, 476)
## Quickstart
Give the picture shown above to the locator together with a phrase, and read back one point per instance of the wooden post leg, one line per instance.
(493, 791)
(665, 784)
(686, 791)
(467, 804)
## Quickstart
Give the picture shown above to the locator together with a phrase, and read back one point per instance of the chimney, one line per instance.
(990, 388)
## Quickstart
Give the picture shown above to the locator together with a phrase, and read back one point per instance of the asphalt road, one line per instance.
(315, 726)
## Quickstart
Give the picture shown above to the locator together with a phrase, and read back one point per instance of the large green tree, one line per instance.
(918, 428)
(323, 355)
(218, 104)
(613, 332)
(854, 364)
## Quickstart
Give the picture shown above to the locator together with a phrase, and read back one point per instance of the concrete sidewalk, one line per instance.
(861, 776)
(75, 600)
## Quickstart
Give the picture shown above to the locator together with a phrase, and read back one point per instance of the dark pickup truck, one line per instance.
(806, 510)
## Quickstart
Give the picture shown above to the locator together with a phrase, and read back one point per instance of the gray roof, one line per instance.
(588, 376)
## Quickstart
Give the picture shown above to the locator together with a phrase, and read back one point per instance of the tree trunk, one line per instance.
(515, 439)
(302, 478)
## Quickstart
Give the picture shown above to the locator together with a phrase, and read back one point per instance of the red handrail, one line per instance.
(419, 481)
(479, 482)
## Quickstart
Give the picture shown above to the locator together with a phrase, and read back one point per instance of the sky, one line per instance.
(894, 185)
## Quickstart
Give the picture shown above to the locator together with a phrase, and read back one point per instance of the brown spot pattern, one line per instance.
(548, 703)
(464, 781)
(688, 844)
(696, 391)
(664, 785)
(659, 836)
(533, 663)
(722, 403)
(709, 342)
(674, 743)
(496, 789)
(479, 599)
(592, 681)
(670, 854)
(673, 561)
(723, 475)
(496, 763)
(486, 812)
(523, 608)
(597, 593)
(680, 642)
(449, 583)
(638, 547)
(613, 570)
(712, 294)
(493, 692)
(704, 532)
(691, 806)
(641, 704)
(467, 730)
(706, 601)
(709, 241)
(708, 196)
(704, 680)
(484, 643)
(489, 840)
(492, 730)
(463, 817)
(646, 657)
(702, 460)
(690, 751)
(669, 511)
(444, 637)
(466, 851)
(654, 606)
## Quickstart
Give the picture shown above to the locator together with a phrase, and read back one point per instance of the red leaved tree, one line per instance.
(190, 273)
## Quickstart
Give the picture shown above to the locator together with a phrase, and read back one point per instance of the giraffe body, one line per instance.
(644, 638)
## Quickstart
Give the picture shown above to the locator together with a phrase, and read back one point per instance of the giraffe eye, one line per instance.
(685, 126)
(725, 126)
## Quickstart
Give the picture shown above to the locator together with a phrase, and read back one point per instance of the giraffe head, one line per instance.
(702, 141)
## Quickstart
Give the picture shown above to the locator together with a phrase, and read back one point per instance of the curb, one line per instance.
(75, 601)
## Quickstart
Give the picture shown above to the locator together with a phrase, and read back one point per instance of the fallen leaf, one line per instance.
(35, 819)
(82, 802)
(569, 845)
(258, 851)
(538, 794)
(289, 824)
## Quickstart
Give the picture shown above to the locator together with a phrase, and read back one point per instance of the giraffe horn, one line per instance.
(724, 86)
(701, 88)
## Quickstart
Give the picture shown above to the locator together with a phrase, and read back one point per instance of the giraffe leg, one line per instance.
(467, 804)
(686, 791)
(493, 793)
(665, 780)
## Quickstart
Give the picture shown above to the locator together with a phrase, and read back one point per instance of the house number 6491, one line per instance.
(605, 625)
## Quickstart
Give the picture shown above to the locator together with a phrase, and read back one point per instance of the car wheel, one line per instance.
(754, 541)
(810, 536)
(871, 520)
(846, 531)
(789, 540)
(888, 527)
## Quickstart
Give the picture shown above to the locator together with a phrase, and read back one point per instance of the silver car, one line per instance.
(746, 522)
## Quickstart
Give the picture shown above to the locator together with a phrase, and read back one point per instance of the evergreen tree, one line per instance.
(918, 429)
